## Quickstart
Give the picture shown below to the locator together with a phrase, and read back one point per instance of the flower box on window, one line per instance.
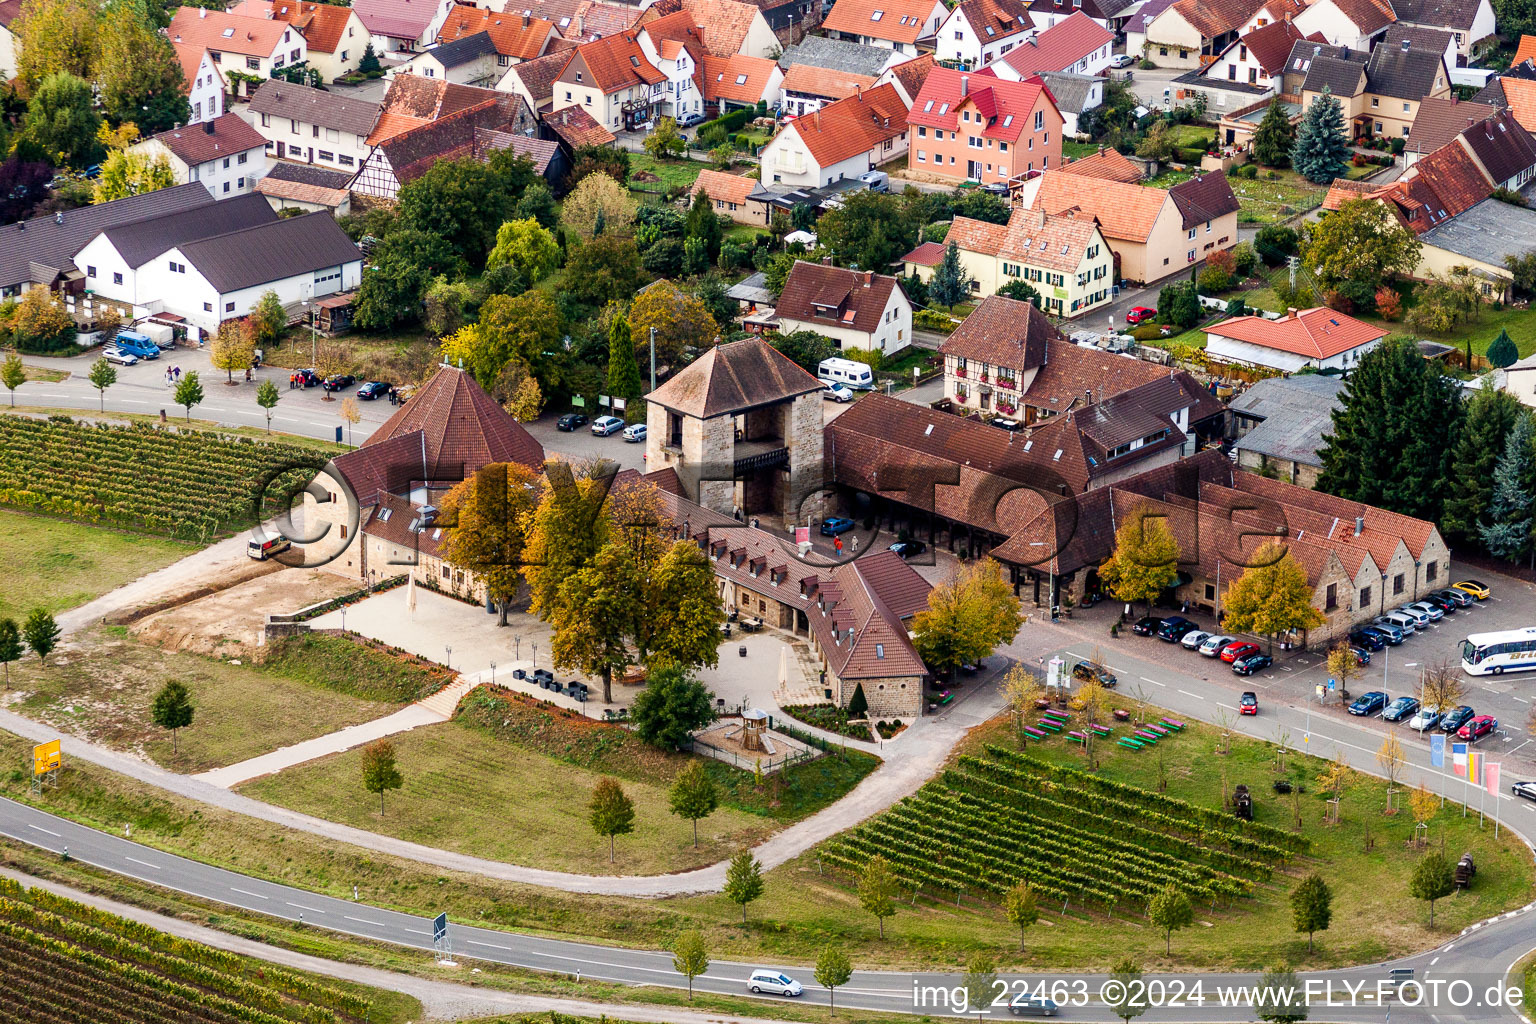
(1007, 382)
(1007, 408)
(959, 371)
(984, 377)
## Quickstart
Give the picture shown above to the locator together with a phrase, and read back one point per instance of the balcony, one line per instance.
(764, 453)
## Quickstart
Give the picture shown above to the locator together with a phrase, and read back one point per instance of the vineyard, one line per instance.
(186, 484)
(66, 962)
(991, 821)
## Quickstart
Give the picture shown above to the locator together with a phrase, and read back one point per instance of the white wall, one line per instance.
(958, 40)
(1326, 18)
(206, 95)
(894, 332)
(1233, 350)
(787, 161)
(312, 148)
(192, 296)
(101, 256)
(1235, 65)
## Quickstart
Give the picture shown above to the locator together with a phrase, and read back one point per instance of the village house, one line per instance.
(1479, 240)
(1063, 257)
(533, 81)
(203, 83)
(1075, 95)
(316, 126)
(1256, 60)
(1470, 22)
(335, 36)
(254, 47)
(1107, 163)
(854, 308)
(515, 36)
(426, 120)
(974, 127)
(731, 26)
(225, 154)
(573, 129)
(1077, 44)
(734, 83)
(467, 60)
(1050, 13)
(818, 71)
(307, 187)
(1278, 425)
(1321, 338)
(676, 46)
(401, 27)
(731, 196)
(614, 80)
(1438, 121)
(1189, 33)
(1354, 24)
(977, 32)
(841, 140)
(907, 77)
(905, 26)
(1153, 232)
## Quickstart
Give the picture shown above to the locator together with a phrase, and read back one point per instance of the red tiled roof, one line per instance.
(726, 187)
(737, 79)
(855, 299)
(1123, 210)
(617, 62)
(1109, 164)
(1368, 16)
(1059, 47)
(1520, 94)
(1316, 333)
(538, 75)
(194, 144)
(852, 126)
(824, 82)
(392, 519)
(1003, 332)
(1448, 182)
(1271, 44)
(992, 20)
(1440, 119)
(1212, 18)
(577, 128)
(1070, 373)
(727, 22)
(462, 428)
(322, 24)
(913, 73)
(202, 28)
(927, 254)
(514, 35)
(1525, 51)
(1007, 106)
(901, 21)
(1056, 242)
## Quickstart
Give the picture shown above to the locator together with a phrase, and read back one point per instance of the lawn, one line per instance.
(57, 564)
(102, 691)
(671, 173)
(1266, 201)
(1071, 150)
(1520, 324)
(403, 359)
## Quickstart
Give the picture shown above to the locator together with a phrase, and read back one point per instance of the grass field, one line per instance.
(104, 692)
(56, 564)
(673, 173)
(1077, 150)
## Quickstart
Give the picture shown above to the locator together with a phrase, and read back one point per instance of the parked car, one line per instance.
(1369, 703)
(1390, 631)
(136, 344)
(570, 421)
(773, 981)
(1460, 598)
(1121, 60)
(1476, 589)
(308, 378)
(634, 432)
(835, 525)
(1445, 605)
(1248, 664)
(1400, 709)
(1406, 624)
(373, 389)
(1092, 671)
(1429, 608)
(1526, 790)
(837, 393)
(1418, 616)
(689, 120)
(1362, 656)
(1147, 625)
(337, 381)
(1238, 649)
(1452, 721)
(605, 425)
(113, 354)
(1193, 639)
(1175, 628)
(1477, 728)
(1368, 638)
(908, 548)
(1248, 703)
(1212, 645)
(1427, 718)
(1026, 1004)
(1140, 313)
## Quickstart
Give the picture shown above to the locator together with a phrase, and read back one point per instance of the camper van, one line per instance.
(849, 373)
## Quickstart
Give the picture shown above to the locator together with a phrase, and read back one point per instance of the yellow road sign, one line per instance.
(45, 757)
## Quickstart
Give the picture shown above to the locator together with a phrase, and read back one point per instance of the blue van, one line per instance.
(137, 344)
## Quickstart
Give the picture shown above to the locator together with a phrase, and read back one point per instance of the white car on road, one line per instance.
(773, 981)
(1212, 645)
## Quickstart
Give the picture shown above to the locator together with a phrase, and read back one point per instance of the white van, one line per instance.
(847, 372)
(267, 547)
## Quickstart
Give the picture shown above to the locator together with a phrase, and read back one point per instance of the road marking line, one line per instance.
(1194, 695)
(312, 910)
(41, 829)
(1154, 681)
(143, 862)
(242, 892)
(490, 945)
(1434, 961)
(1517, 748)
(1522, 700)
(361, 920)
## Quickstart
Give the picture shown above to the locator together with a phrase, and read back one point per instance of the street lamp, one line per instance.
(449, 661)
(493, 673)
(309, 314)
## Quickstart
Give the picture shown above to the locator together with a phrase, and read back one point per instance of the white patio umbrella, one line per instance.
(783, 666)
(410, 593)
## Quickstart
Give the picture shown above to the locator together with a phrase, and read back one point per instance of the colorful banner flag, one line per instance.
(1459, 759)
(1492, 772)
(1474, 768)
(1437, 750)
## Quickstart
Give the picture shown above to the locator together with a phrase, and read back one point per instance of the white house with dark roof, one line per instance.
(469, 60)
(226, 154)
(313, 126)
(855, 308)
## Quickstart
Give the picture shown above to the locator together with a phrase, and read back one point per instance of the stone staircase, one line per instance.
(444, 701)
(803, 685)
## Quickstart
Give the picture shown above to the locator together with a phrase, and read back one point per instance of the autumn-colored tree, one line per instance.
(1146, 558)
(612, 813)
(598, 195)
(522, 329)
(233, 348)
(1271, 596)
(486, 516)
(39, 319)
(1390, 757)
(968, 617)
(1343, 666)
(1389, 303)
(680, 319)
(138, 76)
(350, 414)
(1424, 806)
(1333, 778)
(526, 402)
(526, 247)
(380, 773)
(53, 36)
(1444, 687)
(570, 525)
(126, 174)
(1021, 688)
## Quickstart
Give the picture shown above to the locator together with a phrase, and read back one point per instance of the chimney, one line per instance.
(58, 218)
(1290, 312)
(581, 24)
(527, 19)
(1359, 525)
(858, 93)
(869, 276)
(826, 261)
(207, 127)
(1101, 149)
(965, 85)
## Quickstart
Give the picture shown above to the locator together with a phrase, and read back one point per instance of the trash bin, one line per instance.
(742, 650)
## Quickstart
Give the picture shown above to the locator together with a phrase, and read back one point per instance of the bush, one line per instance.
(932, 320)
(1389, 303)
(1147, 332)
(1274, 243)
(1398, 145)
(1273, 175)
(1189, 155)
(1248, 171)
(1244, 259)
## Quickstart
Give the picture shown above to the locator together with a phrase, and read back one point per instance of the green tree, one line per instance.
(612, 812)
(1179, 304)
(1275, 137)
(464, 202)
(806, 349)
(1392, 433)
(380, 773)
(979, 204)
(598, 195)
(1020, 289)
(606, 269)
(1356, 248)
(138, 75)
(1158, 144)
(858, 704)
(664, 140)
(1491, 413)
(1022, 909)
(1146, 558)
(703, 224)
(743, 881)
(693, 796)
(525, 329)
(1502, 350)
(870, 230)
(102, 376)
(690, 958)
(11, 648)
(189, 392)
(400, 269)
(1321, 152)
(1506, 526)
(592, 616)
(268, 318)
(669, 709)
(125, 173)
(62, 121)
(877, 890)
(951, 285)
(1127, 999)
(41, 633)
(833, 970)
(538, 203)
(1171, 911)
(55, 36)
(608, 160)
(172, 709)
(623, 369)
(267, 397)
(1433, 878)
(40, 319)
(695, 256)
(13, 374)
(1271, 596)
(1281, 999)
(483, 517)
(370, 60)
(968, 617)
(1311, 906)
(527, 247)
(979, 982)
